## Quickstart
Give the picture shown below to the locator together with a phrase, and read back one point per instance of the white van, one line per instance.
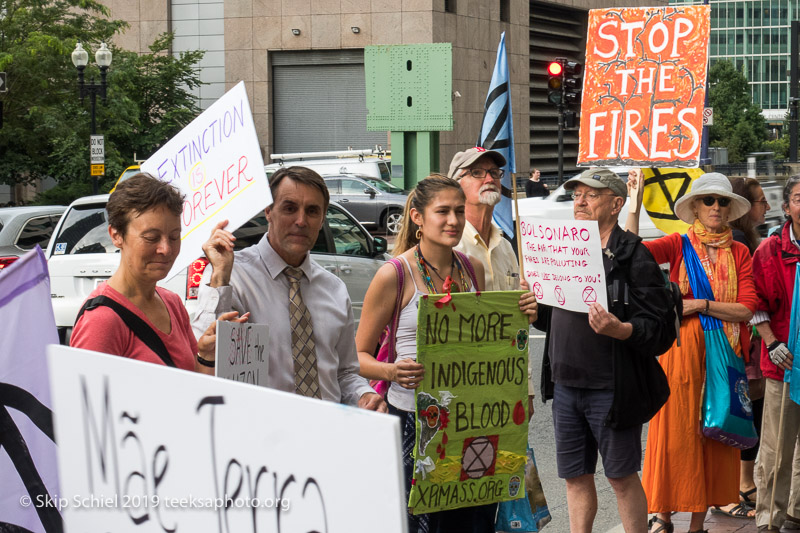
(375, 164)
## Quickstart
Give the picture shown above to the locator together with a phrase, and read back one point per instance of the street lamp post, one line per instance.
(80, 58)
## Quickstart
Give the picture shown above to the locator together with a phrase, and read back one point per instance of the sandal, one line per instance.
(746, 500)
(740, 510)
(666, 527)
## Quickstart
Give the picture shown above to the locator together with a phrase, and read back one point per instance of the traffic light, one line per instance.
(555, 82)
(572, 82)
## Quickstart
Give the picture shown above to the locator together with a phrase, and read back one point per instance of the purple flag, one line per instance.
(28, 465)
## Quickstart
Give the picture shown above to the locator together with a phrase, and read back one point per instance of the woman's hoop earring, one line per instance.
(418, 234)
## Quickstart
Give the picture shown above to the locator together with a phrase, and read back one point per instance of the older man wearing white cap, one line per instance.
(479, 171)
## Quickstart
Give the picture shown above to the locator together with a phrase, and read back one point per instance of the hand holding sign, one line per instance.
(635, 189)
(604, 323)
(219, 251)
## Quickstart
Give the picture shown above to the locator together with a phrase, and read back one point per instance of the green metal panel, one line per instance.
(409, 87)
(415, 154)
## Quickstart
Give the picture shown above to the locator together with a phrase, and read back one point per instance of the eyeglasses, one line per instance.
(480, 173)
(590, 196)
(794, 200)
(708, 201)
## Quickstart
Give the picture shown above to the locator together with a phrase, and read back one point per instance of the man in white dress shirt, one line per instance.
(263, 280)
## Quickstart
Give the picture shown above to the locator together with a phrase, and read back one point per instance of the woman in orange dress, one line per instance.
(684, 471)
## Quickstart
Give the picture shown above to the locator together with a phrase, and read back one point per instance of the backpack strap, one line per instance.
(398, 266)
(138, 327)
(465, 261)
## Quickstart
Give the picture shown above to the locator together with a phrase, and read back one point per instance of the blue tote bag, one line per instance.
(727, 410)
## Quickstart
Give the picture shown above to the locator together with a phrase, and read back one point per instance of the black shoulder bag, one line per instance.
(138, 326)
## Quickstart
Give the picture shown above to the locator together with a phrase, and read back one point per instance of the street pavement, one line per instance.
(607, 520)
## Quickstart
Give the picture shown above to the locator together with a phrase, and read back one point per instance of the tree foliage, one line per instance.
(738, 123)
(46, 127)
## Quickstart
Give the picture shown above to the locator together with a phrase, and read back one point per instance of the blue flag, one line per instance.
(497, 133)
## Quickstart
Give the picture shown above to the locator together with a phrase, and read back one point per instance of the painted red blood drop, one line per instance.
(519, 413)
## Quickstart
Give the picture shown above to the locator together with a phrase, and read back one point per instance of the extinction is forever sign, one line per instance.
(644, 86)
(472, 420)
(563, 262)
(214, 161)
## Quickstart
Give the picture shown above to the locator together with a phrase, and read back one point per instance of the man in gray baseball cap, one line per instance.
(599, 178)
(596, 363)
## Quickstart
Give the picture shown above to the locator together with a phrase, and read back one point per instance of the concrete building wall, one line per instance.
(255, 28)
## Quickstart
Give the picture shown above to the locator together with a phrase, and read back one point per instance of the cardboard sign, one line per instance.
(563, 262)
(644, 86)
(146, 448)
(662, 188)
(213, 161)
(242, 352)
(472, 419)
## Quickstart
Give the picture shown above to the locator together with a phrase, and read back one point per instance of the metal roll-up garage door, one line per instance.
(319, 102)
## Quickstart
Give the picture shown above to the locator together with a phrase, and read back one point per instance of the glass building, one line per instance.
(755, 36)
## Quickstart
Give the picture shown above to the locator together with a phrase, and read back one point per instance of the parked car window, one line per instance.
(84, 231)
(252, 231)
(36, 231)
(348, 238)
(353, 187)
(384, 186)
(386, 173)
(333, 186)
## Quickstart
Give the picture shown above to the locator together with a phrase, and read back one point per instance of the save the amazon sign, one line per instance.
(471, 407)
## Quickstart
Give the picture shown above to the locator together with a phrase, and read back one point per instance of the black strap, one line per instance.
(138, 326)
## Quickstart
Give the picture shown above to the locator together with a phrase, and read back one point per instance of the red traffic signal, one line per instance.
(555, 68)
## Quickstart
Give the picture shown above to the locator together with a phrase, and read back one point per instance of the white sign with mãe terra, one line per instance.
(563, 262)
(147, 448)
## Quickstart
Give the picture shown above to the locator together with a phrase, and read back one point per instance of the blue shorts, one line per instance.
(578, 417)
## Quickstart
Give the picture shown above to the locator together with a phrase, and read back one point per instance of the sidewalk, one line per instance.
(715, 523)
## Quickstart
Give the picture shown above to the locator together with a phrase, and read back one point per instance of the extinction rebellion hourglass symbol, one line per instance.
(589, 295)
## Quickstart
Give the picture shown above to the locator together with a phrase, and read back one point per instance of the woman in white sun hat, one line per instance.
(683, 471)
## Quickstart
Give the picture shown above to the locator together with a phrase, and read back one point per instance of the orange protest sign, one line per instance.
(644, 86)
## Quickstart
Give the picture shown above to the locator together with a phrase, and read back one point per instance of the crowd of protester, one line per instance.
(599, 368)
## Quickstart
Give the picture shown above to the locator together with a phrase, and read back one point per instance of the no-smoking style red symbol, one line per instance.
(589, 295)
(537, 290)
(559, 292)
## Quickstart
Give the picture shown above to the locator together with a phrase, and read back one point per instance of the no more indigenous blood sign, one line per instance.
(644, 86)
(563, 262)
(472, 421)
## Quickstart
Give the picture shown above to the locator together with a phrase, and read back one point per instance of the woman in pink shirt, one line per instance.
(129, 315)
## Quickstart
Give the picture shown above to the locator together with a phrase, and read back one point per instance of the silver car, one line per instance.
(375, 203)
(22, 228)
(81, 256)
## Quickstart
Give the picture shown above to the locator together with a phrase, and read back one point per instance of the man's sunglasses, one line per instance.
(711, 200)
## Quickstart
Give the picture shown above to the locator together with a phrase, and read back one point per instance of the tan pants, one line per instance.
(787, 489)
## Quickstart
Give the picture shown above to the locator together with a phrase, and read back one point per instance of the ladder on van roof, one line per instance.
(378, 151)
